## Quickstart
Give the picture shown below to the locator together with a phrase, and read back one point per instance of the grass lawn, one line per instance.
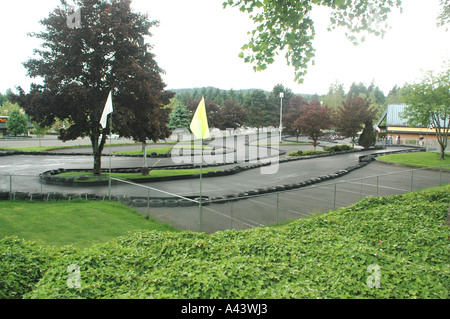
(422, 159)
(162, 150)
(52, 148)
(153, 173)
(158, 150)
(275, 144)
(76, 223)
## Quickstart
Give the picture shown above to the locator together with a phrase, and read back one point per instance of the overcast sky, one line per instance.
(197, 43)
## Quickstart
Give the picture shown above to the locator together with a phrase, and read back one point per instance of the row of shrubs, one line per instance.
(324, 256)
(326, 150)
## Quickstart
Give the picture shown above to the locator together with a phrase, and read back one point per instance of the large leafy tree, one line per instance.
(350, 117)
(314, 119)
(17, 123)
(429, 105)
(294, 111)
(261, 113)
(80, 62)
(212, 109)
(231, 115)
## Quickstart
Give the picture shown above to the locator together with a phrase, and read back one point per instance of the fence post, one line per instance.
(440, 175)
(412, 180)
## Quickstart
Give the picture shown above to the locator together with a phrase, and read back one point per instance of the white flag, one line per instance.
(108, 110)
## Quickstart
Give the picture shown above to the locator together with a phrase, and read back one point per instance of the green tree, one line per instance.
(335, 95)
(354, 112)
(394, 96)
(429, 105)
(285, 26)
(17, 123)
(179, 118)
(368, 136)
(40, 131)
(261, 113)
(444, 15)
(80, 65)
(7, 108)
(3, 99)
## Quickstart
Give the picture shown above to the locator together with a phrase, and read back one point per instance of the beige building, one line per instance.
(393, 124)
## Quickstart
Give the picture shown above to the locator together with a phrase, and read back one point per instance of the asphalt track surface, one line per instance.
(242, 214)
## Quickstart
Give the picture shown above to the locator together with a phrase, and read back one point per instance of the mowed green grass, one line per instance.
(163, 150)
(153, 174)
(72, 223)
(422, 159)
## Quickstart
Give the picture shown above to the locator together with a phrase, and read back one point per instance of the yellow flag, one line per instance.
(199, 125)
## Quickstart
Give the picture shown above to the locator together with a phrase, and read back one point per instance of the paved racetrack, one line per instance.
(253, 212)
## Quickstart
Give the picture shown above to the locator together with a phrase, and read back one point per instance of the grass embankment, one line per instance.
(331, 255)
(420, 159)
(153, 174)
(72, 223)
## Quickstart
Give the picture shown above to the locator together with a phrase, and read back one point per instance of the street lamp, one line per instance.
(281, 113)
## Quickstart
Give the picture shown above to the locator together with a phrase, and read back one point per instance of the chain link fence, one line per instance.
(242, 210)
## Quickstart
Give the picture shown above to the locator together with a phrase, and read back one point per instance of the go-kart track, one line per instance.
(267, 189)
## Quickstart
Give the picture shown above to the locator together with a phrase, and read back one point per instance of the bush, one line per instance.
(404, 234)
(21, 266)
(307, 153)
(338, 148)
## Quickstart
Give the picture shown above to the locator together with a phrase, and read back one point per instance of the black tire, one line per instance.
(171, 202)
(185, 203)
(139, 202)
(4, 195)
(217, 200)
(36, 197)
(156, 203)
(263, 190)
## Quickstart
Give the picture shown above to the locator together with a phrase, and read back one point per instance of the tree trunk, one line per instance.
(97, 150)
(97, 162)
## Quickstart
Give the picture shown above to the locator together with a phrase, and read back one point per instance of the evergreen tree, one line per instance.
(368, 136)
(179, 118)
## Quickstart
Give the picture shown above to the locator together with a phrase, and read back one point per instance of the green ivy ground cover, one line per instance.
(331, 255)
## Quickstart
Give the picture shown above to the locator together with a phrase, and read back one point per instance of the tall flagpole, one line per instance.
(110, 153)
(201, 181)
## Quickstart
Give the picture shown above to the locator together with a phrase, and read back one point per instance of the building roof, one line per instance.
(393, 117)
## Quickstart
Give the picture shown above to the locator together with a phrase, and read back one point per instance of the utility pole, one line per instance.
(281, 113)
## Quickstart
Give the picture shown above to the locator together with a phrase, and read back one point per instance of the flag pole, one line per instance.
(110, 153)
(201, 181)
